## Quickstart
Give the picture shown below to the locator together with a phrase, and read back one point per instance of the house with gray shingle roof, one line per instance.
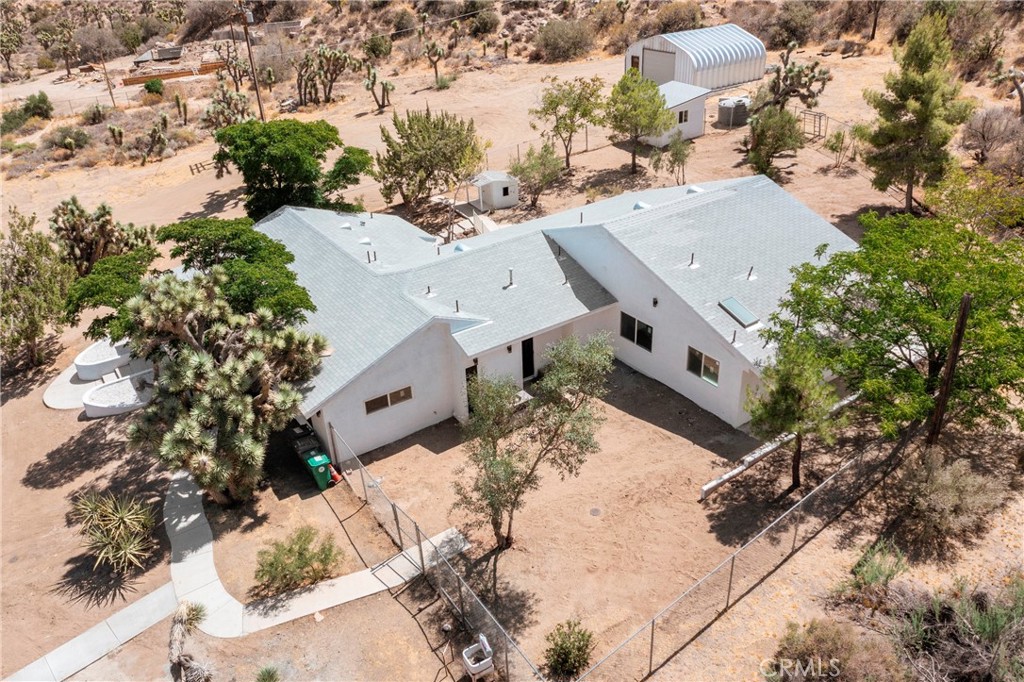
(683, 278)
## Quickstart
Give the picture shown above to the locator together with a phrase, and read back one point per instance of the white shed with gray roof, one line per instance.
(682, 277)
(686, 102)
(495, 189)
(714, 58)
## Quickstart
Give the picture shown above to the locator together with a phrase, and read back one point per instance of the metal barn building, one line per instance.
(713, 58)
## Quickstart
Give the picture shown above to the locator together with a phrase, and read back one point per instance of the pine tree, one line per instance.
(636, 109)
(917, 115)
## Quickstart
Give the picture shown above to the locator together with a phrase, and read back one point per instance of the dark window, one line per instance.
(504, 191)
(627, 327)
(644, 335)
(376, 404)
(388, 399)
(704, 366)
(634, 62)
(684, 116)
(640, 333)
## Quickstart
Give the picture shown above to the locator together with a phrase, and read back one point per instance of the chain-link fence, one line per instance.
(692, 612)
(420, 551)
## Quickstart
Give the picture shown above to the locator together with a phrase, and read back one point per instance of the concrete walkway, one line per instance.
(98, 641)
(194, 578)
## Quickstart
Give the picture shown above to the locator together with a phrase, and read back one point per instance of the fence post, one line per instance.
(419, 543)
(728, 593)
(462, 604)
(398, 527)
(362, 477)
(650, 656)
(798, 515)
(506, 659)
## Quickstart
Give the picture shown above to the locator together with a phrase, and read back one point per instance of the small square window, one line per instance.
(710, 373)
(401, 395)
(684, 116)
(634, 62)
(694, 360)
(376, 404)
(704, 366)
(644, 335)
(504, 191)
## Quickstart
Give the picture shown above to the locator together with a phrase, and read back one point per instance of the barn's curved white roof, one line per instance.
(725, 44)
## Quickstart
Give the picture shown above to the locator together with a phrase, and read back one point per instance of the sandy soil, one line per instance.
(49, 588)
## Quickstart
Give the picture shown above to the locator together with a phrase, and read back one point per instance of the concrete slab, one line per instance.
(143, 614)
(194, 573)
(94, 643)
(36, 671)
(66, 390)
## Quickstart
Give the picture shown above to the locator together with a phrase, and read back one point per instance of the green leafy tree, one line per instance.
(636, 109)
(428, 153)
(793, 398)
(674, 157)
(773, 131)
(537, 170)
(12, 31)
(569, 649)
(85, 238)
(882, 318)
(111, 283)
(567, 107)
(256, 265)
(281, 163)
(34, 280)
(510, 443)
(917, 115)
(224, 381)
(982, 201)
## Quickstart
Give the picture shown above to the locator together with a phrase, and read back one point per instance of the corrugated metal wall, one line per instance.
(713, 60)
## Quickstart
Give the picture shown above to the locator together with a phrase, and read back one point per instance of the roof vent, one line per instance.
(365, 241)
(693, 261)
(694, 189)
(430, 294)
(459, 248)
(640, 205)
(346, 226)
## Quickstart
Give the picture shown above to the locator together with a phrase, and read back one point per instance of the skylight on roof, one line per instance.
(739, 312)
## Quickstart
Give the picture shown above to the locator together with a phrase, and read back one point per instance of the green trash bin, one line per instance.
(319, 466)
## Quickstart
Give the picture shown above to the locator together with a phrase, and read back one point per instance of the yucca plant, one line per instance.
(186, 619)
(268, 674)
(118, 529)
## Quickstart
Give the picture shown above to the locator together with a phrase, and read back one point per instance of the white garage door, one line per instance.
(659, 66)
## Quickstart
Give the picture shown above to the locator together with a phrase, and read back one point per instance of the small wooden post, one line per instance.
(398, 527)
(650, 656)
(419, 543)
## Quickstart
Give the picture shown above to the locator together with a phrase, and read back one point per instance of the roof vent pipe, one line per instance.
(750, 273)
(456, 305)
(510, 283)
(368, 257)
(581, 217)
(428, 290)
(734, 337)
(374, 256)
(439, 250)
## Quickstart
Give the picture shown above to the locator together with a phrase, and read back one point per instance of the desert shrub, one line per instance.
(45, 63)
(990, 130)
(9, 146)
(95, 115)
(604, 16)
(304, 558)
(31, 125)
(560, 40)
(150, 99)
(410, 49)
(757, 18)
(904, 18)
(839, 18)
(879, 564)
(948, 502)
(268, 674)
(39, 105)
(183, 137)
(404, 21)
(976, 37)
(963, 634)
(377, 47)
(677, 16)
(484, 23)
(444, 82)
(290, 10)
(118, 529)
(202, 17)
(130, 35)
(89, 158)
(71, 138)
(793, 24)
(569, 650)
(20, 167)
(154, 86)
(824, 649)
(98, 44)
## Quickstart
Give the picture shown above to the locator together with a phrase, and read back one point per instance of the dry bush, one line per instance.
(947, 503)
(89, 158)
(840, 18)
(905, 16)
(757, 17)
(97, 44)
(560, 40)
(21, 166)
(202, 17)
(833, 651)
(989, 131)
(151, 99)
(677, 16)
(620, 37)
(32, 124)
(604, 16)
(976, 38)
(290, 10)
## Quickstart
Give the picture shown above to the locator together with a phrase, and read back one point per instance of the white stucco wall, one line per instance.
(424, 362)
(491, 196)
(694, 127)
(676, 327)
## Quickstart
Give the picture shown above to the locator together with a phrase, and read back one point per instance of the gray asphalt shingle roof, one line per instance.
(676, 93)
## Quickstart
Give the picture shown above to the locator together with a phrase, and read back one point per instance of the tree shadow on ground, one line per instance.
(615, 181)
(829, 169)
(217, 202)
(19, 379)
(655, 403)
(94, 447)
(849, 223)
(93, 586)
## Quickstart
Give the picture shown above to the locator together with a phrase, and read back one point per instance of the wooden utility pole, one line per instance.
(252, 64)
(110, 90)
(947, 380)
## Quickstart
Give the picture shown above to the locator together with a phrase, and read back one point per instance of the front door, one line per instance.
(528, 368)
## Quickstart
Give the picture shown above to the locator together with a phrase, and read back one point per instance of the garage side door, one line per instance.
(659, 66)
